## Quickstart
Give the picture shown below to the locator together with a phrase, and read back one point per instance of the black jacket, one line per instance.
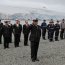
(6, 31)
(17, 30)
(44, 26)
(57, 27)
(11, 28)
(35, 33)
(51, 28)
(26, 29)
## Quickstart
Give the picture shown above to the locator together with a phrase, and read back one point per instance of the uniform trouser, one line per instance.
(0, 38)
(34, 50)
(56, 35)
(17, 39)
(51, 36)
(61, 33)
(43, 33)
(6, 42)
(25, 39)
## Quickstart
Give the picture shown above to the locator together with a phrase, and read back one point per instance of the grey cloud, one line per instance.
(61, 2)
(51, 4)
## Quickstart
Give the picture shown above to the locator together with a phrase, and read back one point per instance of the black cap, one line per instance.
(63, 19)
(35, 20)
(6, 21)
(44, 20)
(51, 19)
(51, 22)
(57, 21)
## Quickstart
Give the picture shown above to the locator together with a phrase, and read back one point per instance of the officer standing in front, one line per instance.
(51, 29)
(6, 34)
(44, 27)
(26, 33)
(57, 28)
(35, 35)
(1, 26)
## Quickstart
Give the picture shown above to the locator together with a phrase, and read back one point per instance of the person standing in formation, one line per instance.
(57, 28)
(44, 27)
(17, 32)
(51, 29)
(1, 26)
(35, 35)
(26, 33)
(6, 34)
(62, 27)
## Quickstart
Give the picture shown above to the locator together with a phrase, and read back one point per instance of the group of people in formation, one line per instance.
(35, 31)
(53, 29)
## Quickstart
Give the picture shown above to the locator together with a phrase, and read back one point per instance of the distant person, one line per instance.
(44, 27)
(6, 34)
(26, 33)
(57, 28)
(1, 26)
(51, 29)
(17, 32)
(35, 35)
(62, 27)
(11, 30)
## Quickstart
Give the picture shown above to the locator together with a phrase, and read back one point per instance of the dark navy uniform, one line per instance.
(1, 26)
(51, 29)
(34, 39)
(17, 33)
(26, 34)
(6, 35)
(44, 27)
(57, 27)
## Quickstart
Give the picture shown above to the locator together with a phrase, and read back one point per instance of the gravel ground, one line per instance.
(49, 53)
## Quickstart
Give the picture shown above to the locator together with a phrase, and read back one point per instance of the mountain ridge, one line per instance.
(32, 13)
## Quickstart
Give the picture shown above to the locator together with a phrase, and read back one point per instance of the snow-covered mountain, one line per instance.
(32, 13)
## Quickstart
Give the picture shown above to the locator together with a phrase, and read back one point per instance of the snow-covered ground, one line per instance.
(49, 53)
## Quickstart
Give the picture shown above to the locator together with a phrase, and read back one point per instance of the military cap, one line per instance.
(44, 20)
(57, 21)
(6, 21)
(63, 19)
(51, 22)
(35, 20)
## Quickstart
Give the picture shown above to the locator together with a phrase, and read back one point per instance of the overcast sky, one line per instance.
(56, 5)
